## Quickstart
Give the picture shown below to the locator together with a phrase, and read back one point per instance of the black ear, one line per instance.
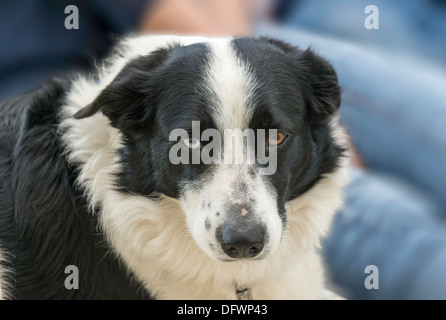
(128, 101)
(322, 94)
(87, 111)
(317, 79)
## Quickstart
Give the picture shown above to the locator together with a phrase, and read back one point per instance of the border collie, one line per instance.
(87, 181)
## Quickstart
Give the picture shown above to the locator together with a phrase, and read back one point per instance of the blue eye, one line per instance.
(192, 143)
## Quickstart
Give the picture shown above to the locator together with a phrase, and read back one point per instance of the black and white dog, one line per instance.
(87, 177)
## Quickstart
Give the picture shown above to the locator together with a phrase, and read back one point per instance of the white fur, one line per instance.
(2, 281)
(3, 276)
(153, 238)
(230, 82)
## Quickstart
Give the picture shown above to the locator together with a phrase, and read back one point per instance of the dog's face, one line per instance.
(232, 128)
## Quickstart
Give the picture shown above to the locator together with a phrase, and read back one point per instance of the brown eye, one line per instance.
(277, 140)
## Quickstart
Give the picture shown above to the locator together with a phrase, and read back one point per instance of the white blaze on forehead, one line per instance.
(231, 83)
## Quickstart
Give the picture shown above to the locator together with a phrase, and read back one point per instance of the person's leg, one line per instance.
(393, 107)
(388, 225)
(417, 28)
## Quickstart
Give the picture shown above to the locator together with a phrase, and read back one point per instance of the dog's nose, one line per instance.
(242, 241)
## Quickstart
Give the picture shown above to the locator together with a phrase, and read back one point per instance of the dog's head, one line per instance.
(232, 128)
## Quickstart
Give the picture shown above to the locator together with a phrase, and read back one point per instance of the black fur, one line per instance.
(297, 94)
(44, 222)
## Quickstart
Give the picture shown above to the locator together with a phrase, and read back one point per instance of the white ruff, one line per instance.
(4, 275)
(152, 238)
(2, 294)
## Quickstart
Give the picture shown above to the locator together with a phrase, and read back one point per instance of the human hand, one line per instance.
(199, 17)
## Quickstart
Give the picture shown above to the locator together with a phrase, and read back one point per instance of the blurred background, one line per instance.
(393, 105)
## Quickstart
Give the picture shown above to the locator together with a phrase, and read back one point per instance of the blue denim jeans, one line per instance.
(394, 107)
(388, 224)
